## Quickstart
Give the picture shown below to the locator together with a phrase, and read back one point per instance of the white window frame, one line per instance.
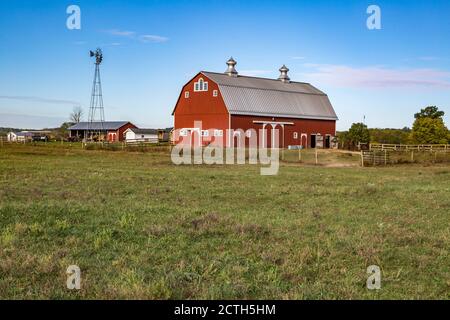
(183, 132)
(215, 93)
(205, 133)
(295, 135)
(218, 133)
(186, 95)
(201, 85)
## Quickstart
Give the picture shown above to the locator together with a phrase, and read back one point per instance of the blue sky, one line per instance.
(152, 48)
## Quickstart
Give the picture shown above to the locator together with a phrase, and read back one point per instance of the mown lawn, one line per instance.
(140, 227)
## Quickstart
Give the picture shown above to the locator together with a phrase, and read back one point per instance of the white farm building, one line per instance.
(141, 135)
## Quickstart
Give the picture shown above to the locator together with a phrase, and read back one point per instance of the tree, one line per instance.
(358, 133)
(430, 112)
(76, 115)
(429, 127)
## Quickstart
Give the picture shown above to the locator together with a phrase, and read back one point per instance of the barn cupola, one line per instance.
(284, 74)
(231, 71)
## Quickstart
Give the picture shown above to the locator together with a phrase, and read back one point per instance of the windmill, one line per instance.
(96, 118)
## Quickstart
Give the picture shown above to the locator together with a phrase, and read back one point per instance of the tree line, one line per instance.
(428, 128)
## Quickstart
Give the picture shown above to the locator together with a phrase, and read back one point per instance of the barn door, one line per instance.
(313, 141)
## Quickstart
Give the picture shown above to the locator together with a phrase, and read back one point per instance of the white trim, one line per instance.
(239, 113)
(273, 122)
(229, 130)
(201, 85)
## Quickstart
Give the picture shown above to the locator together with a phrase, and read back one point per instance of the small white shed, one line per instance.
(11, 137)
(141, 135)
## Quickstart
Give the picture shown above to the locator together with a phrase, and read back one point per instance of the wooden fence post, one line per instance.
(317, 160)
(385, 157)
(412, 155)
(362, 158)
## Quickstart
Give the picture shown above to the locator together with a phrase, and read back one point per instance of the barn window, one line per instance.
(183, 133)
(201, 85)
(205, 133)
(218, 133)
(215, 93)
(295, 135)
(186, 94)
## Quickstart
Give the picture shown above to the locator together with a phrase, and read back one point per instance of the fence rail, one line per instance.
(141, 142)
(375, 157)
(406, 147)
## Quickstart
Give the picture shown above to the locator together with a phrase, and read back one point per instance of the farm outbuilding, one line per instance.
(165, 135)
(141, 135)
(23, 136)
(113, 131)
(302, 113)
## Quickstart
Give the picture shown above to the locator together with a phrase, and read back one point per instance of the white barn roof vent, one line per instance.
(284, 76)
(231, 71)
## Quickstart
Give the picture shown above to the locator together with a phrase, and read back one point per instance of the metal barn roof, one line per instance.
(144, 131)
(267, 97)
(107, 125)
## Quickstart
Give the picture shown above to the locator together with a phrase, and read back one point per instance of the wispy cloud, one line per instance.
(153, 38)
(255, 73)
(121, 33)
(376, 76)
(145, 38)
(428, 58)
(40, 100)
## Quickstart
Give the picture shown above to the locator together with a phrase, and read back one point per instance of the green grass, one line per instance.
(140, 227)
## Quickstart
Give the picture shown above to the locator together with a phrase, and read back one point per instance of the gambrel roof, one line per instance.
(254, 96)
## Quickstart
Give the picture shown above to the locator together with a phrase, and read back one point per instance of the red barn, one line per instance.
(302, 113)
(113, 131)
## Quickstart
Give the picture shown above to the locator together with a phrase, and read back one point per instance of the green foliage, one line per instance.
(390, 136)
(430, 131)
(429, 127)
(358, 133)
(430, 112)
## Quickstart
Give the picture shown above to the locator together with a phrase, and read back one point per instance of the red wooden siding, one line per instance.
(201, 106)
(119, 133)
(301, 126)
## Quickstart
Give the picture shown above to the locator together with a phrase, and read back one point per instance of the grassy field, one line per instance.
(140, 227)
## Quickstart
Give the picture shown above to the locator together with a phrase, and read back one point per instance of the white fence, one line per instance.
(406, 147)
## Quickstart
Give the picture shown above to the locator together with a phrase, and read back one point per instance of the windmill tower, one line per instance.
(96, 118)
